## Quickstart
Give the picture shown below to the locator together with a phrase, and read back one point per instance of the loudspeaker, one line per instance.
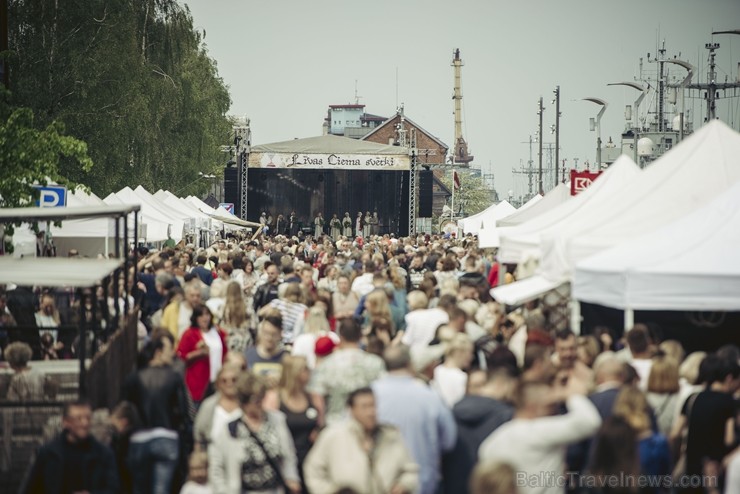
(231, 185)
(426, 179)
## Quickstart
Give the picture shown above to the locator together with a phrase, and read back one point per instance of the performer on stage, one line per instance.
(347, 225)
(375, 224)
(280, 225)
(293, 224)
(318, 225)
(358, 224)
(336, 227)
(366, 225)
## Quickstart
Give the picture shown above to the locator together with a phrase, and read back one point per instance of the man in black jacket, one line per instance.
(267, 292)
(74, 461)
(159, 394)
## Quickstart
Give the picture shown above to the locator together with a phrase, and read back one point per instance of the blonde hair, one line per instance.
(458, 342)
(590, 345)
(663, 377)
(673, 349)
(493, 478)
(293, 365)
(235, 312)
(316, 321)
(293, 293)
(417, 300)
(632, 405)
(689, 369)
(377, 304)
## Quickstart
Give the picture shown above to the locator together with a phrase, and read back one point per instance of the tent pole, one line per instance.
(575, 317)
(629, 319)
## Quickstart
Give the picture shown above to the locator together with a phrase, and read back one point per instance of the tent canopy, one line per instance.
(541, 205)
(690, 264)
(328, 144)
(55, 271)
(486, 218)
(524, 240)
(687, 177)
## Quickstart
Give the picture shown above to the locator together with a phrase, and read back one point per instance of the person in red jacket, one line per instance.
(203, 348)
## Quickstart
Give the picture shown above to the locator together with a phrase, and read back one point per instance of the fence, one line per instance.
(110, 366)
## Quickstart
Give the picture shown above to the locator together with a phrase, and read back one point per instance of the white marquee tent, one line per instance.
(153, 223)
(486, 218)
(552, 199)
(684, 179)
(523, 241)
(690, 264)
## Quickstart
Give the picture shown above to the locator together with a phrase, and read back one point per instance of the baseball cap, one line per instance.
(324, 346)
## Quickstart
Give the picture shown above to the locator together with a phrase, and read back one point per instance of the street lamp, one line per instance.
(682, 85)
(643, 90)
(603, 104)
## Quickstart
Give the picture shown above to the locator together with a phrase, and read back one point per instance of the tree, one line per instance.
(29, 155)
(131, 79)
(472, 197)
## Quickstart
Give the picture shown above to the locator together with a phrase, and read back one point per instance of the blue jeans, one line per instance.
(153, 465)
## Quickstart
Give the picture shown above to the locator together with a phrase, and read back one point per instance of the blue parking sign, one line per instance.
(51, 196)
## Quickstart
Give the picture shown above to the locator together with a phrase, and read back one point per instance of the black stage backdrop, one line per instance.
(697, 331)
(280, 191)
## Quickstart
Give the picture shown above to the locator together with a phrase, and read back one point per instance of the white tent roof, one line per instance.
(157, 225)
(690, 264)
(523, 241)
(221, 214)
(202, 219)
(55, 271)
(487, 217)
(181, 214)
(537, 206)
(687, 177)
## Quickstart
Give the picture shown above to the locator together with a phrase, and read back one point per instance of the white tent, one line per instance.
(486, 218)
(536, 206)
(203, 221)
(690, 264)
(684, 179)
(154, 226)
(180, 214)
(89, 237)
(523, 241)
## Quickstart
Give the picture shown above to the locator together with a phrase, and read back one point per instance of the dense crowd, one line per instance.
(374, 364)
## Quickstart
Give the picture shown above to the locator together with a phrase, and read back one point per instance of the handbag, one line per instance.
(680, 469)
(270, 460)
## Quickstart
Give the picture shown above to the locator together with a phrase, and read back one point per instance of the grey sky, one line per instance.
(286, 61)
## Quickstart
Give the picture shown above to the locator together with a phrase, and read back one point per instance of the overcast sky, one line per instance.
(286, 61)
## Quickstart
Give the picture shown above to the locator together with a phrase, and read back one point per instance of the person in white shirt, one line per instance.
(638, 340)
(422, 324)
(363, 284)
(450, 378)
(534, 442)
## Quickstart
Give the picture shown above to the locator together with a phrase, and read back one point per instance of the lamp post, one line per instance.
(557, 130)
(636, 126)
(603, 104)
(540, 111)
(682, 85)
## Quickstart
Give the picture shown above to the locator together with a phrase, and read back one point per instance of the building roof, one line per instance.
(347, 106)
(410, 122)
(328, 144)
(370, 116)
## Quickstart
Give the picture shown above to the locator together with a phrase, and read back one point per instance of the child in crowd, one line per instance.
(198, 475)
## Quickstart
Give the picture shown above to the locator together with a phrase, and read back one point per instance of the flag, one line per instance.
(456, 179)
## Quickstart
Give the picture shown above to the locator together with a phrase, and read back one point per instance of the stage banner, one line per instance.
(579, 181)
(330, 161)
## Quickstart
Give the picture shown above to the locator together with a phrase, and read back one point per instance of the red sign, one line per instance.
(579, 181)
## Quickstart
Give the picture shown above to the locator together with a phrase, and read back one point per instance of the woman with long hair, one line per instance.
(203, 348)
(235, 320)
(662, 390)
(654, 453)
(615, 455)
(295, 402)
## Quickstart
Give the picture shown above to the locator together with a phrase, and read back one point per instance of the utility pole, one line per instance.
(557, 131)
(540, 111)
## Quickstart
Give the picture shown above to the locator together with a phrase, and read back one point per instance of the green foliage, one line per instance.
(473, 196)
(29, 155)
(131, 79)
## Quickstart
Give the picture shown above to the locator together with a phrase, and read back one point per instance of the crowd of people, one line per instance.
(372, 364)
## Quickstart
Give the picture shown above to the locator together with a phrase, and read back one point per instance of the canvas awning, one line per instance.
(55, 271)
